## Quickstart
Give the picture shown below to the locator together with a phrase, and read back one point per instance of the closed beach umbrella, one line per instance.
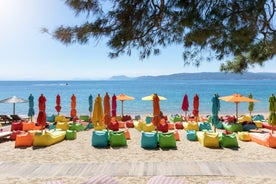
(122, 98)
(41, 118)
(58, 107)
(185, 104)
(196, 106)
(250, 104)
(98, 111)
(14, 100)
(114, 106)
(31, 107)
(237, 98)
(215, 110)
(272, 109)
(156, 110)
(90, 102)
(106, 109)
(73, 106)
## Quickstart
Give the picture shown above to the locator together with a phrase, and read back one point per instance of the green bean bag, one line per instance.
(84, 118)
(76, 126)
(228, 140)
(117, 138)
(167, 140)
(232, 127)
(71, 134)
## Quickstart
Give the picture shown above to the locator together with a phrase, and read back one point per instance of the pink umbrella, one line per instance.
(114, 105)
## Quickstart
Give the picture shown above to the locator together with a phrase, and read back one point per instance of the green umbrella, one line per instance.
(250, 104)
(272, 109)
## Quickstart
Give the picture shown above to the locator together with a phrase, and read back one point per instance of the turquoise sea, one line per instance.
(173, 90)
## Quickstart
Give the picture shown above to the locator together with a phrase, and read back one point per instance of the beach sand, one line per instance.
(80, 151)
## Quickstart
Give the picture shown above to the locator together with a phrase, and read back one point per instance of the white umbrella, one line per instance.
(14, 100)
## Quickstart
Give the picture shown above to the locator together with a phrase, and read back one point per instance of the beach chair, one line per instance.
(15, 117)
(6, 119)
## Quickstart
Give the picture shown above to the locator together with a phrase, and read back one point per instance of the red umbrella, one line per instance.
(107, 109)
(114, 106)
(185, 104)
(58, 107)
(41, 118)
(156, 110)
(196, 106)
(73, 106)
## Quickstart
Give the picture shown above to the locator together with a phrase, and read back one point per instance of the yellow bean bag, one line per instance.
(139, 125)
(148, 127)
(48, 138)
(207, 139)
(191, 126)
(61, 118)
(244, 136)
(62, 125)
(258, 124)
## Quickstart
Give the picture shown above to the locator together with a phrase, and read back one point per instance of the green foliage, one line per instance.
(242, 30)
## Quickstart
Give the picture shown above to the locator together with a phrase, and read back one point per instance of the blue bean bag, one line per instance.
(149, 140)
(258, 118)
(100, 138)
(167, 140)
(117, 138)
(228, 140)
(247, 127)
(191, 135)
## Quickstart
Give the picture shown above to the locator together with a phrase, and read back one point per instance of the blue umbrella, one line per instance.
(31, 106)
(215, 109)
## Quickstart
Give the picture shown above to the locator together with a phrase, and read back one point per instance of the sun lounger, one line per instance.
(164, 180)
(5, 134)
(15, 117)
(6, 119)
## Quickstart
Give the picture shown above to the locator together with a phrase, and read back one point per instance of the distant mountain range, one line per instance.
(202, 76)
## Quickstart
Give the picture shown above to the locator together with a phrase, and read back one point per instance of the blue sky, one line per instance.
(27, 54)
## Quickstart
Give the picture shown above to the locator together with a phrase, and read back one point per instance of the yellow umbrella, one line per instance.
(123, 97)
(237, 98)
(98, 111)
(150, 97)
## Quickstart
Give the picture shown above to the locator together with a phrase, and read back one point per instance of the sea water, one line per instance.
(173, 90)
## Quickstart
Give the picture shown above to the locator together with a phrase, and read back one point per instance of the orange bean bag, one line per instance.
(265, 139)
(24, 140)
(28, 126)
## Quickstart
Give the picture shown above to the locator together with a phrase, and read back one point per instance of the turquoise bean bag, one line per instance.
(117, 138)
(100, 138)
(149, 140)
(167, 140)
(248, 127)
(232, 127)
(204, 126)
(50, 118)
(228, 141)
(191, 135)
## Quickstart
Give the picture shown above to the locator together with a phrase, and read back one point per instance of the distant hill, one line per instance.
(202, 76)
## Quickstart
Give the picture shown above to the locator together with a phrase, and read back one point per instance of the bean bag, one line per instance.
(206, 139)
(259, 124)
(244, 136)
(99, 127)
(16, 126)
(191, 126)
(84, 118)
(179, 125)
(248, 127)
(139, 125)
(171, 126)
(148, 119)
(117, 138)
(268, 126)
(258, 118)
(71, 134)
(15, 133)
(163, 127)
(129, 124)
(50, 118)
(24, 140)
(137, 117)
(265, 139)
(149, 140)
(126, 118)
(62, 125)
(176, 135)
(121, 124)
(176, 118)
(76, 126)
(113, 126)
(61, 118)
(148, 127)
(228, 141)
(127, 134)
(191, 135)
(167, 140)
(232, 127)
(244, 118)
(28, 126)
(48, 138)
(204, 126)
(100, 138)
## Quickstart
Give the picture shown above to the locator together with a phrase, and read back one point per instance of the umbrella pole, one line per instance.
(236, 110)
(122, 108)
(13, 108)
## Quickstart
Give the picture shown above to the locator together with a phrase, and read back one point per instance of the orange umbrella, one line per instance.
(41, 118)
(73, 106)
(156, 110)
(123, 97)
(58, 107)
(237, 98)
(106, 109)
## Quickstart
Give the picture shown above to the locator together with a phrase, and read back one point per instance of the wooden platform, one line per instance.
(136, 169)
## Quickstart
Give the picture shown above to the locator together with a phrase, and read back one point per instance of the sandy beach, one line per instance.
(80, 151)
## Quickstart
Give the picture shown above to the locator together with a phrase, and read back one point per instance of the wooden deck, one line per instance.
(136, 169)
